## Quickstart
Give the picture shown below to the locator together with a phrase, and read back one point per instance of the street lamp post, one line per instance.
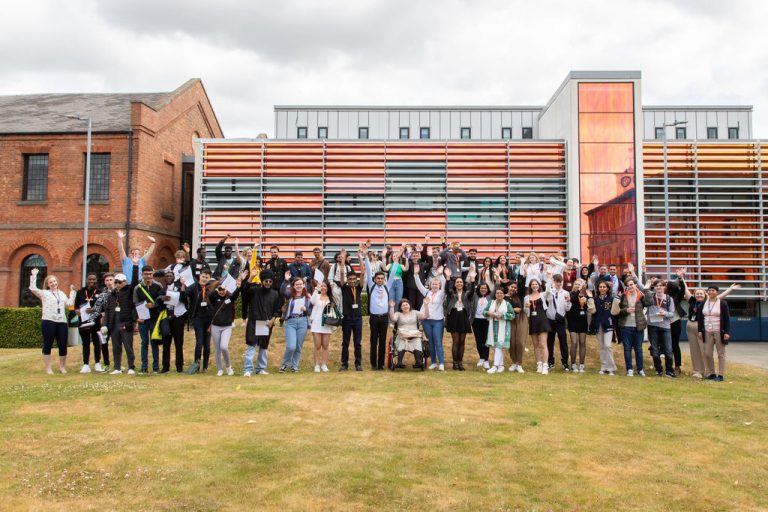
(666, 192)
(87, 191)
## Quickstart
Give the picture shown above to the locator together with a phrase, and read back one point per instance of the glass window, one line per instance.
(680, 133)
(606, 127)
(424, 132)
(733, 133)
(362, 132)
(26, 299)
(606, 97)
(659, 134)
(322, 132)
(301, 132)
(405, 132)
(527, 132)
(506, 132)
(466, 133)
(712, 132)
(97, 264)
(99, 178)
(35, 186)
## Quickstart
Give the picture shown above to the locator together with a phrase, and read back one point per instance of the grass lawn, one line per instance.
(392, 441)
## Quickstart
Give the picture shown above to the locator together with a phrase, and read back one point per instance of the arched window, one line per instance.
(26, 299)
(98, 264)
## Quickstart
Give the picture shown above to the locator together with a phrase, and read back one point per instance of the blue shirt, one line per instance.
(128, 267)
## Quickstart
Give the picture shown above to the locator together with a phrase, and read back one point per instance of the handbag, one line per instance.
(331, 315)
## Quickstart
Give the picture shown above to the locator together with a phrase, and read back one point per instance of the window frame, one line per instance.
(710, 131)
(658, 133)
(682, 129)
(468, 130)
(528, 130)
(25, 188)
(404, 130)
(104, 180)
(324, 136)
(422, 131)
(508, 130)
(731, 130)
(299, 132)
(360, 130)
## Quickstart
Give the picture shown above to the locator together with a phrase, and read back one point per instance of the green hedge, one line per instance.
(20, 328)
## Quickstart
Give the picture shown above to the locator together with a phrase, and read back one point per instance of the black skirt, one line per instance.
(457, 321)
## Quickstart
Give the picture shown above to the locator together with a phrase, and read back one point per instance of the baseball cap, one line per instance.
(121, 277)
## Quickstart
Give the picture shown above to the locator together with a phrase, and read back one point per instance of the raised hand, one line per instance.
(630, 267)
(427, 300)
(151, 239)
(120, 234)
(287, 275)
(186, 247)
(447, 272)
(35, 271)
(392, 304)
(71, 287)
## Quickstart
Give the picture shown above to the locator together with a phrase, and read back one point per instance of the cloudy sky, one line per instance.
(253, 55)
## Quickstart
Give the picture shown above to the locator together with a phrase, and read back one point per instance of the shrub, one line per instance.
(20, 328)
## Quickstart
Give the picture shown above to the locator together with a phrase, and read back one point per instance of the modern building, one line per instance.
(142, 166)
(591, 173)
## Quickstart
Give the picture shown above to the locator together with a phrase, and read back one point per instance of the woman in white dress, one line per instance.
(321, 334)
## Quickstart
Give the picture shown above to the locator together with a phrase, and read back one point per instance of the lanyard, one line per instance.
(353, 289)
(56, 296)
(659, 302)
(710, 307)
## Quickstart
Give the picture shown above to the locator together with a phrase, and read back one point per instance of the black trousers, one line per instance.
(177, 334)
(379, 325)
(480, 329)
(676, 328)
(90, 336)
(351, 327)
(559, 329)
(122, 338)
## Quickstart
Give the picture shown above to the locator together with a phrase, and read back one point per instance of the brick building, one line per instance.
(142, 168)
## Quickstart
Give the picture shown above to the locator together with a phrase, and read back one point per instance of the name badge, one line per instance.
(117, 309)
(227, 301)
(459, 306)
(534, 313)
(354, 306)
(203, 304)
(710, 327)
(199, 265)
(581, 313)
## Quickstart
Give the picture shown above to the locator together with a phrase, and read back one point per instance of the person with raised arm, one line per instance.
(222, 304)
(352, 317)
(582, 307)
(296, 316)
(395, 271)
(89, 326)
(54, 304)
(226, 262)
(459, 319)
(135, 260)
(264, 307)
(660, 314)
(433, 326)
(378, 311)
(322, 302)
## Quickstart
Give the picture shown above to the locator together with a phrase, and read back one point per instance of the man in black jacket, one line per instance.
(352, 320)
(177, 316)
(148, 292)
(225, 262)
(89, 329)
(119, 315)
(263, 308)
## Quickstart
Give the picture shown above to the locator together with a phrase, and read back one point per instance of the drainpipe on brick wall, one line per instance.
(130, 187)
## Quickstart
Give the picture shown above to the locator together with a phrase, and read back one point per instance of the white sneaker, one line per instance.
(544, 369)
(262, 372)
(317, 368)
(131, 372)
(574, 368)
(581, 368)
(519, 369)
(480, 363)
(116, 372)
(324, 368)
(641, 373)
(85, 369)
(220, 373)
(512, 367)
(246, 374)
(500, 369)
(97, 367)
(611, 372)
(492, 369)
(441, 368)
(433, 366)
(230, 371)
(539, 367)
(62, 369)
(630, 373)
(486, 364)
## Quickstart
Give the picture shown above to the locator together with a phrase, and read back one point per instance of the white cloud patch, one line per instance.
(253, 55)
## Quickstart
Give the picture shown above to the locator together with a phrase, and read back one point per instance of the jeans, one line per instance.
(145, 333)
(351, 327)
(295, 332)
(632, 338)
(250, 353)
(396, 291)
(202, 340)
(434, 332)
(661, 339)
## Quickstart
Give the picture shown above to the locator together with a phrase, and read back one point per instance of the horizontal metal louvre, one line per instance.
(716, 200)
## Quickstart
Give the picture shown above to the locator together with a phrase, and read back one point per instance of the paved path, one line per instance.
(752, 353)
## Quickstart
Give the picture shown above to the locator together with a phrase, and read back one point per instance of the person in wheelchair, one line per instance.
(408, 337)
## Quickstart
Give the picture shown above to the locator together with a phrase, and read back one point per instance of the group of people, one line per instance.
(418, 290)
